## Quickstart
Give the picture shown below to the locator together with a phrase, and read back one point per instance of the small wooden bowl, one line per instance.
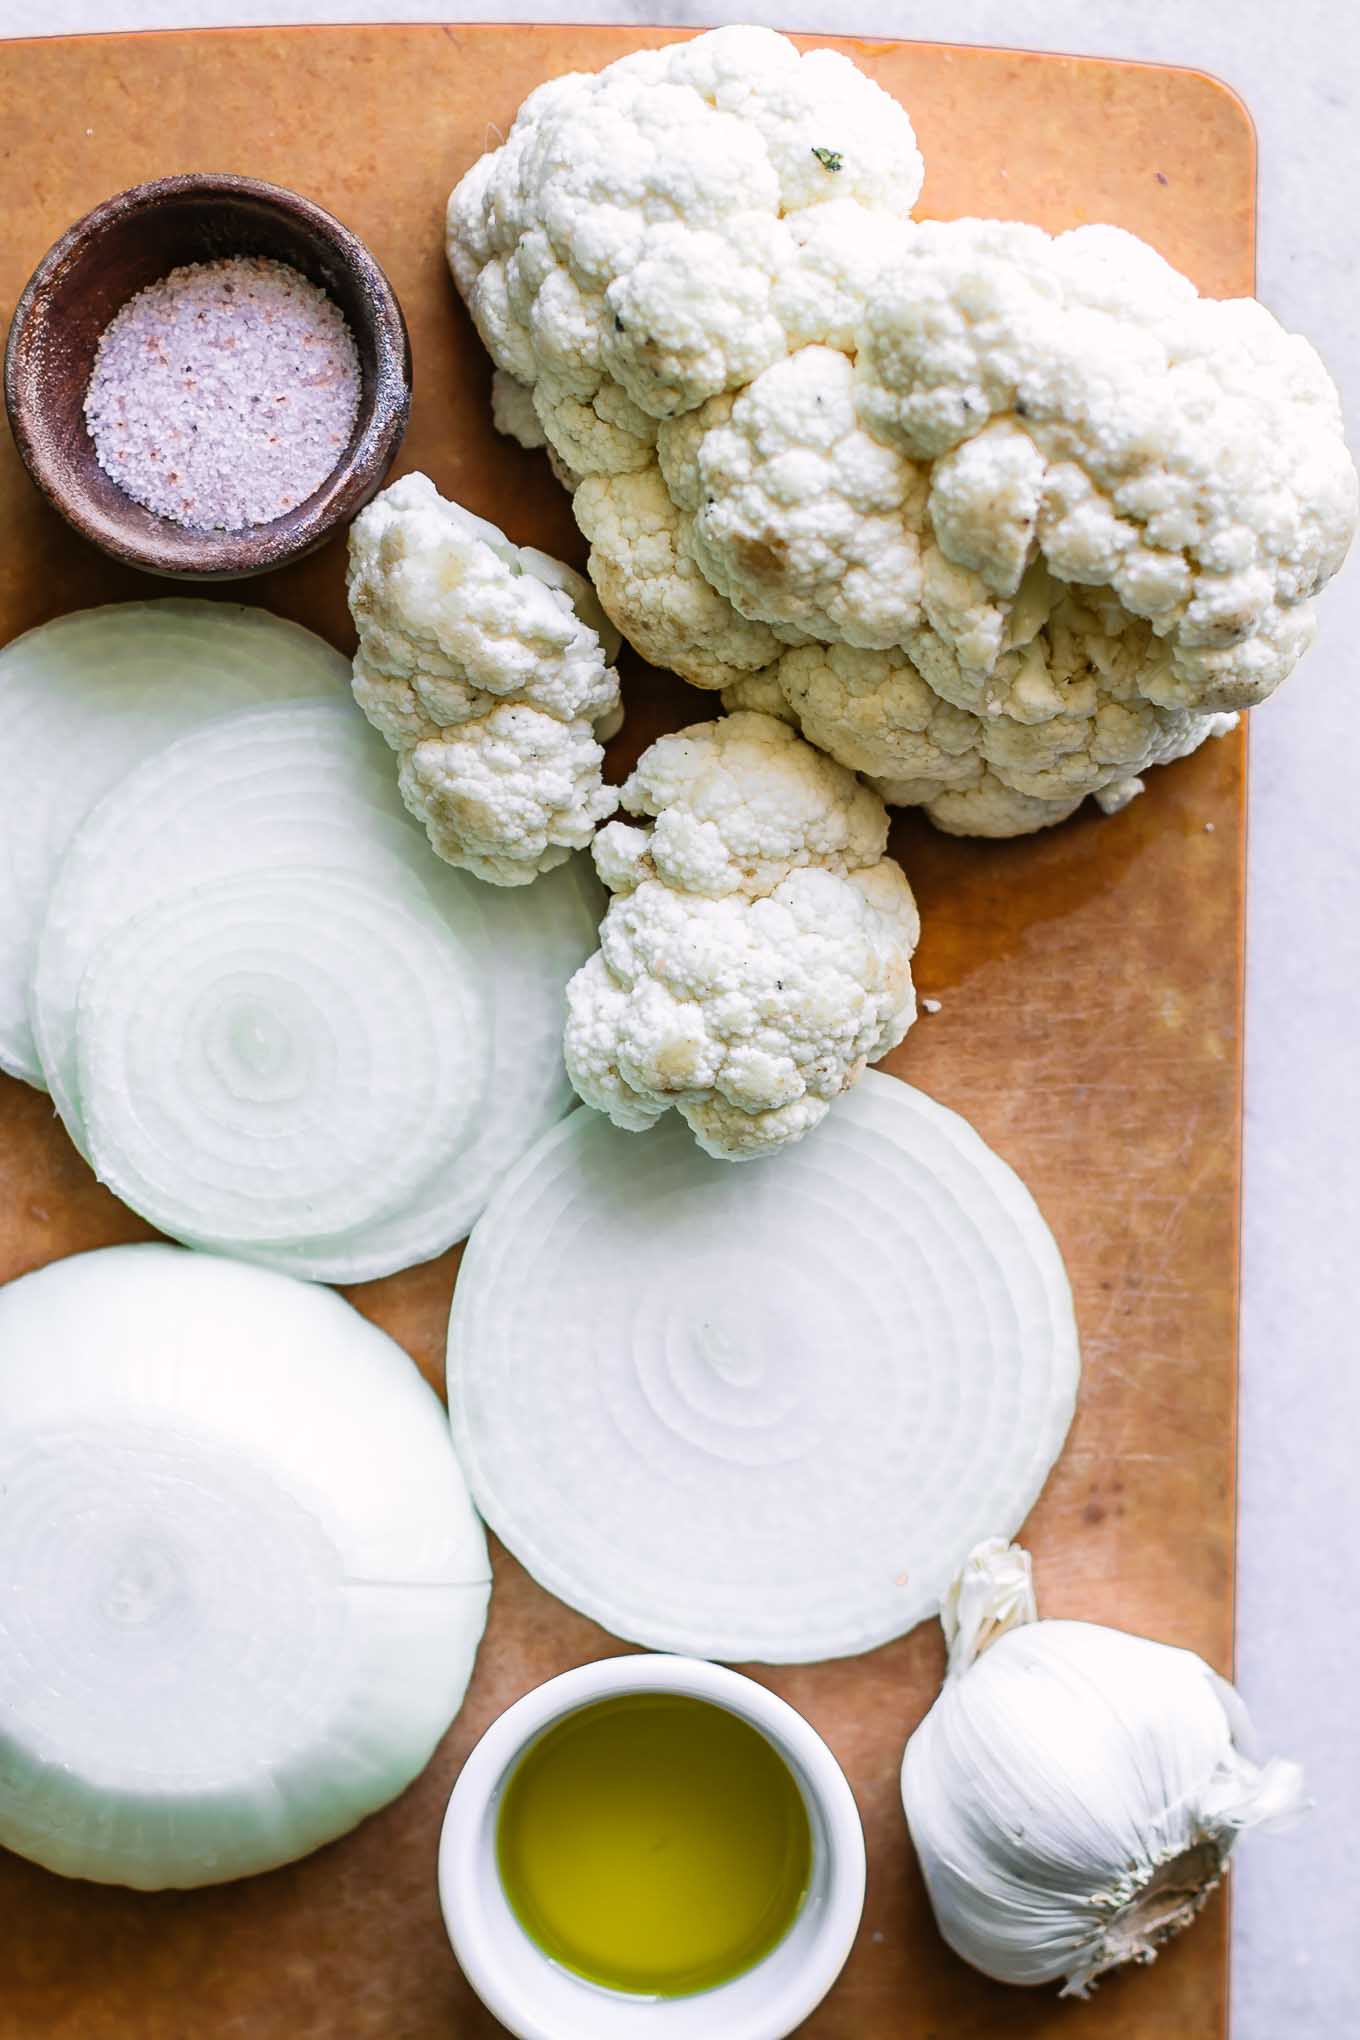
(132, 240)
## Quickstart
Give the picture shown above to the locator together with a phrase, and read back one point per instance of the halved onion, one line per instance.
(279, 831)
(761, 1414)
(86, 696)
(243, 1582)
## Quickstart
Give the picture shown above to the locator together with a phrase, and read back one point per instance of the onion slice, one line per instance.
(284, 1052)
(761, 1414)
(536, 937)
(214, 836)
(243, 1582)
(261, 790)
(81, 700)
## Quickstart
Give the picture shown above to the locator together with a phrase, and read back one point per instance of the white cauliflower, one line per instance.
(643, 570)
(1057, 521)
(1002, 518)
(486, 667)
(640, 242)
(1183, 453)
(756, 954)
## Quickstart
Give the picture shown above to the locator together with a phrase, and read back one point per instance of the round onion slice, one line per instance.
(81, 700)
(298, 783)
(536, 937)
(761, 1413)
(307, 786)
(280, 1054)
(243, 1582)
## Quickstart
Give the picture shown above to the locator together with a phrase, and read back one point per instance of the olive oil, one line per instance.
(654, 1843)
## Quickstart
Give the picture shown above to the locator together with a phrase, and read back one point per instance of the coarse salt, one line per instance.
(224, 395)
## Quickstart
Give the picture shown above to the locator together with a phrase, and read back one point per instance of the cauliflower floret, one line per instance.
(510, 794)
(1072, 734)
(840, 248)
(643, 571)
(602, 434)
(760, 692)
(757, 952)
(796, 515)
(485, 666)
(988, 808)
(512, 410)
(643, 226)
(876, 713)
(738, 805)
(1184, 453)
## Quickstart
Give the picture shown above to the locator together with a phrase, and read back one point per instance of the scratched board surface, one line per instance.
(1088, 979)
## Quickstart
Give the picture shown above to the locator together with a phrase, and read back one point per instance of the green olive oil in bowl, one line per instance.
(654, 1843)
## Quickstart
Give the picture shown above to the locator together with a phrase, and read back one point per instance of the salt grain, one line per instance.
(223, 395)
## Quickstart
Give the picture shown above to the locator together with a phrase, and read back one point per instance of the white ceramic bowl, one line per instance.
(539, 2000)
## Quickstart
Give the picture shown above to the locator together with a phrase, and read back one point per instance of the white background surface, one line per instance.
(1296, 1966)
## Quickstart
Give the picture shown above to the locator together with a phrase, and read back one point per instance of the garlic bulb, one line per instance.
(1075, 1792)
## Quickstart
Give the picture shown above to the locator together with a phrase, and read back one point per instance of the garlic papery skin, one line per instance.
(1075, 1792)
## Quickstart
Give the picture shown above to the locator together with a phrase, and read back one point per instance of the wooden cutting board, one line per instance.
(1090, 1025)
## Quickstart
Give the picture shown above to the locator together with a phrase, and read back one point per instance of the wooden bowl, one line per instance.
(132, 240)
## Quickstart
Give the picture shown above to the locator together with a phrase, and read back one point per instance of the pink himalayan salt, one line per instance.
(223, 395)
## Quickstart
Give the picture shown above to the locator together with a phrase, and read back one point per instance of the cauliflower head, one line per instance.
(486, 667)
(756, 953)
(1001, 518)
